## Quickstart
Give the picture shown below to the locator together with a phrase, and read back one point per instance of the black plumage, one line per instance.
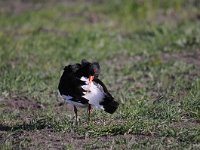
(72, 88)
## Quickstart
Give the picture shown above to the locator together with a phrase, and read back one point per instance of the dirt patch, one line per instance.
(22, 109)
(187, 57)
(21, 6)
(18, 6)
(192, 58)
(125, 62)
(169, 16)
(48, 139)
(123, 59)
(54, 140)
(118, 65)
(21, 103)
(186, 124)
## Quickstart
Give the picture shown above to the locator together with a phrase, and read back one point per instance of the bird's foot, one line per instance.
(76, 120)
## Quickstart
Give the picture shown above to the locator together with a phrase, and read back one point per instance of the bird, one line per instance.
(79, 86)
(75, 71)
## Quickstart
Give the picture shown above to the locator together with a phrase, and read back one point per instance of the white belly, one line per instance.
(68, 100)
(95, 94)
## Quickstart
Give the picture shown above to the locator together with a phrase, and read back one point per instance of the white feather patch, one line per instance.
(68, 99)
(95, 93)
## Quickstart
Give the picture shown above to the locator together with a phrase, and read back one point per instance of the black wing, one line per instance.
(109, 104)
(72, 68)
(71, 85)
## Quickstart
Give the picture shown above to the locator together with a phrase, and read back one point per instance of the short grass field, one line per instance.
(149, 52)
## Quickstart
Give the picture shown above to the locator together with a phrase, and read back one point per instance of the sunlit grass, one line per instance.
(159, 97)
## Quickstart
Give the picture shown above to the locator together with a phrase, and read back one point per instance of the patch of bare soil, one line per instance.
(22, 107)
(117, 63)
(187, 57)
(49, 140)
(169, 16)
(186, 124)
(122, 59)
(21, 103)
(18, 6)
(21, 6)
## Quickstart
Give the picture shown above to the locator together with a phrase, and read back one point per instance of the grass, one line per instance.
(149, 54)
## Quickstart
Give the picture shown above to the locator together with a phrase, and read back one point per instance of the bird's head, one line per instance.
(90, 70)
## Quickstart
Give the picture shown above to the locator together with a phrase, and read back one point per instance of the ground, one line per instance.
(149, 52)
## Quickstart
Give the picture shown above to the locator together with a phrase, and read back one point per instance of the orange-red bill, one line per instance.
(91, 78)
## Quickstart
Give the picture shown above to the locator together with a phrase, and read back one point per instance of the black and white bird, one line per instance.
(79, 86)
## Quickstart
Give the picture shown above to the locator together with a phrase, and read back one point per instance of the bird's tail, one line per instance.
(111, 106)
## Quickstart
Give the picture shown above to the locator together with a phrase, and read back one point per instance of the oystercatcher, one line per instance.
(79, 85)
(74, 73)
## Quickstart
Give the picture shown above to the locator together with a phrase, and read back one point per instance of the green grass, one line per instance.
(149, 55)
